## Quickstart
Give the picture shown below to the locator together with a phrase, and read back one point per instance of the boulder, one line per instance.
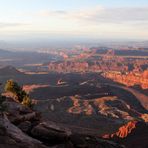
(58, 137)
(25, 126)
(34, 116)
(12, 136)
(84, 141)
(51, 133)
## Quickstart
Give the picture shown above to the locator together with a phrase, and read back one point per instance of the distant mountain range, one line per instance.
(6, 53)
(9, 70)
(19, 58)
(2, 51)
(52, 43)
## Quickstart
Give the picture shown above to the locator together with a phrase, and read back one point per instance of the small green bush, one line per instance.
(18, 92)
(27, 101)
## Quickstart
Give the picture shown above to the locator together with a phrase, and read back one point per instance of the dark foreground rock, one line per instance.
(59, 137)
(133, 134)
(50, 133)
(84, 141)
(46, 135)
(24, 128)
(12, 137)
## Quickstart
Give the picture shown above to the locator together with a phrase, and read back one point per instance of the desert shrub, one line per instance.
(27, 101)
(18, 92)
(12, 86)
(15, 89)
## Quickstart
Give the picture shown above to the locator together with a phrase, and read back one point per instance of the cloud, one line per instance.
(100, 14)
(123, 15)
(7, 25)
(94, 22)
(57, 13)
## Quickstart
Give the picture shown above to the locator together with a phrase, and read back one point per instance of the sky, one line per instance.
(73, 19)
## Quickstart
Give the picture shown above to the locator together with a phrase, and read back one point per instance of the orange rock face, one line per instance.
(29, 88)
(145, 74)
(101, 106)
(133, 135)
(80, 107)
(129, 79)
(123, 131)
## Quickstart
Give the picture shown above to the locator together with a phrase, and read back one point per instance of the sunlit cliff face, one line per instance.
(106, 106)
(130, 79)
(124, 130)
(30, 88)
(145, 74)
(81, 107)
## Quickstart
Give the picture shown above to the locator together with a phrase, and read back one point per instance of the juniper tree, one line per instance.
(20, 94)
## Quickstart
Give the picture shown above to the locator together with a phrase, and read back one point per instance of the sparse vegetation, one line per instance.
(27, 101)
(21, 96)
(15, 89)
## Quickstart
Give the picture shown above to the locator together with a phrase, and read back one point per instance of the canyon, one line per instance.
(94, 97)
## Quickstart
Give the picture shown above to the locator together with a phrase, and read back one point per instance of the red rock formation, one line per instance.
(133, 134)
(129, 79)
(145, 74)
(91, 62)
(123, 131)
(106, 106)
(30, 88)
(61, 82)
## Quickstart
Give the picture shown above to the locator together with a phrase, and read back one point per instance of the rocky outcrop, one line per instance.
(133, 134)
(94, 63)
(84, 141)
(123, 131)
(23, 128)
(128, 71)
(110, 107)
(57, 136)
(30, 88)
(18, 113)
(129, 79)
(27, 117)
(12, 136)
(50, 133)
